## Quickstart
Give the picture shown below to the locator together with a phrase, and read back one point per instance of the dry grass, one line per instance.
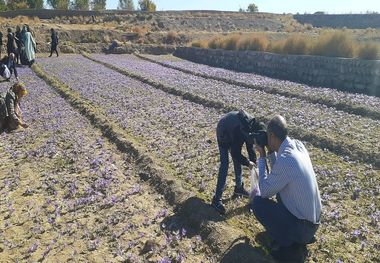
(332, 43)
(171, 37)
(141, 31)
(296, 45)
(369, 51)
(215, 43)
(254, 42)
(200, 43)
(335, 44)
(231, 43)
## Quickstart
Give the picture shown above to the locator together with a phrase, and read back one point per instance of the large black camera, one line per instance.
(261, 138)
(254, 130)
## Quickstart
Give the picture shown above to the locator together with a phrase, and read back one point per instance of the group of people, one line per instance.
(291, 219)
(286, 200)
(21, 49)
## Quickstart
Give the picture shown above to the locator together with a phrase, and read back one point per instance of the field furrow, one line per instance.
(360, 104)
(182, 135)
(67, 194)
(346, 134)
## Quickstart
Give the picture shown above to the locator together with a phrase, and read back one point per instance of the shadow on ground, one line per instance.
(228, 244)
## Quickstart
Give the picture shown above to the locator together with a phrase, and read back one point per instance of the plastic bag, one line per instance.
(254, 178)
(6, 73)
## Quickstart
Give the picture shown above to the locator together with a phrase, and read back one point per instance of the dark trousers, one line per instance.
(223, 171)
(281, 225)
(52, 49)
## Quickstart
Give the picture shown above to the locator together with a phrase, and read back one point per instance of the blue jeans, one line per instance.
(223, 171)
(281, 225)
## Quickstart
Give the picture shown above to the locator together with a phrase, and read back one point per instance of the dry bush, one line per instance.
(296, 45)
(171, 37)
(369, 51)
(276, 46)
(231, 42)
(308, 26)
(200, 43)
(334, 44)
(254, 42)
(139, 30)
(215, 42)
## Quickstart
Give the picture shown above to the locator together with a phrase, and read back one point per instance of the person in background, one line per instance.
(1, 42)
(54, 42)
(10, 112)
(112, 47)
(293, 219)
(18, 43)
(232, 133)
(29, 45)
(11, 42)
(8, 67)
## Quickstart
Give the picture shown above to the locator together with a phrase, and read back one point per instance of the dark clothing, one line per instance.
(232, 134)
(1, 42)
(11, 44)
(10, 64)
(54, 39)
(112, 46)
(54, 44)
(281, 225)
(9, 118)
(19, 46)
(223, 171)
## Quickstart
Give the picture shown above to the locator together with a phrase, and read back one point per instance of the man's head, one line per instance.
(277, 132)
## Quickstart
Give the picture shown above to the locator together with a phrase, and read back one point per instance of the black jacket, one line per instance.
(11, 43)
(231, 133)
(54, 39)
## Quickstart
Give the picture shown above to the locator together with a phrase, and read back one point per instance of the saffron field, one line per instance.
(69, 192)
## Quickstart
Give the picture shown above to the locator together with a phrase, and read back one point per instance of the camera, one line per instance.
(261, 138)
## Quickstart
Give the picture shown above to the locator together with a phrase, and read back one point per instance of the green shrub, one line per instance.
(369, 51)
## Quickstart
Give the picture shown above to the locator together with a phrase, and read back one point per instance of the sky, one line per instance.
(271, 6)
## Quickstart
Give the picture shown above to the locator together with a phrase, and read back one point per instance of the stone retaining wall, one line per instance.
(353, 75)
(359, 21)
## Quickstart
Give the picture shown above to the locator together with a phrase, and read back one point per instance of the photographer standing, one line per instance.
(233, 130)
(293, 220)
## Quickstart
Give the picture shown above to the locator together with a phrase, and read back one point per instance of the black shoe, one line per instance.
(218, 205)
(240, 191)
(293, 253)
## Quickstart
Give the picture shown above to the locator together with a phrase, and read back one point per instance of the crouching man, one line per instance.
(232, 132)
(292, 221)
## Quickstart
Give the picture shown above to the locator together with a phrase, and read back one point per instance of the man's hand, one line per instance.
(261, 151)
(251, 165)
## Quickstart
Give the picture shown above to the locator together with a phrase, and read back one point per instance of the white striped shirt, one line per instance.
(293, 177)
